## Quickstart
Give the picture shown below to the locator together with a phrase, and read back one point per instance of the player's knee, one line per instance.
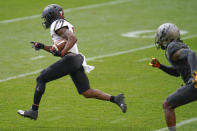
(86, 96)
(40, 88)
(40, 79)
(166, 105)
(88, 93)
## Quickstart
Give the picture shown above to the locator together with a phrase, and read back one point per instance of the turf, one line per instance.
(98, 30)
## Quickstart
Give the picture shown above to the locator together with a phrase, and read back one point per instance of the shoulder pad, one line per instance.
(174, 46)
(58, 24)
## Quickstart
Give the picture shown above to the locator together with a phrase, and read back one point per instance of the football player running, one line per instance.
(183, 63)
(71, 63)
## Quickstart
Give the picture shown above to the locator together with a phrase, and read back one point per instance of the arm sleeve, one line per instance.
(169, 70)
(191, 58)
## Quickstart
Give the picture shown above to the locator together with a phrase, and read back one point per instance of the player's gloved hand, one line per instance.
(37, 45)
(154, 63)
(56, 53)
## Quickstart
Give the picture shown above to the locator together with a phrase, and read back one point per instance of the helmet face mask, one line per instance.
(51, 13)
(166, 33)
(161, 41)
(161, 44)
(46, 24)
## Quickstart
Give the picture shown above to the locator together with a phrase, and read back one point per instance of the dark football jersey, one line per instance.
(182, 66)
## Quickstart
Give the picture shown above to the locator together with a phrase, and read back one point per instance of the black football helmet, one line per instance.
(51, 13)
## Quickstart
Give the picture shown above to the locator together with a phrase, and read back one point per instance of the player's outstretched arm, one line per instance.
(69, 36)
(47, 48)
(169, 70)
(38, 46)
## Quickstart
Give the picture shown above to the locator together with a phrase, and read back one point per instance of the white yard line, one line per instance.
(21, 75)
(143, 59)
(66, 11)
(189, 37)
(37, 57)
(180, 123)
(55, 118)
(120, 52)
(118, 120)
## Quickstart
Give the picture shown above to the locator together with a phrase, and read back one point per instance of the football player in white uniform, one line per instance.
(71, 63)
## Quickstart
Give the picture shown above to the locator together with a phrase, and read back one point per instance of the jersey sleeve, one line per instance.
(173, 47)
(58, 24)
(170, 70)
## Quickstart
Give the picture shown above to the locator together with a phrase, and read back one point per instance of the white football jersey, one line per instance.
(63, 23)
(59, 24)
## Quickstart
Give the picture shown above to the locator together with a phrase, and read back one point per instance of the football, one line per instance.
(59, 45)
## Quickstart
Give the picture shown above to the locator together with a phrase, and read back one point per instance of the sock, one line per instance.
(34, 107)
(172, 128)
(112, 99)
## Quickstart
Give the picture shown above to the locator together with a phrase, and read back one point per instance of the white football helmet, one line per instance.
(166, 33)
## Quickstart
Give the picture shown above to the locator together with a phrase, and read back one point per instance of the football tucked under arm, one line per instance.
(57, 48)
(59, 45)
(70, 38)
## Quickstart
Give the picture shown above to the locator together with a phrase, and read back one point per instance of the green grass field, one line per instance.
(99, 30)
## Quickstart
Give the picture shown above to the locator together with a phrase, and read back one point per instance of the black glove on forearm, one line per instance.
(37, 45)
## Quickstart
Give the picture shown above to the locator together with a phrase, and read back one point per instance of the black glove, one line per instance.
(56, 53)
(37, 45)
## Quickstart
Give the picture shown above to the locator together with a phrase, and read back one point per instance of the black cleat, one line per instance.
(31, 114)
(119, 100)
